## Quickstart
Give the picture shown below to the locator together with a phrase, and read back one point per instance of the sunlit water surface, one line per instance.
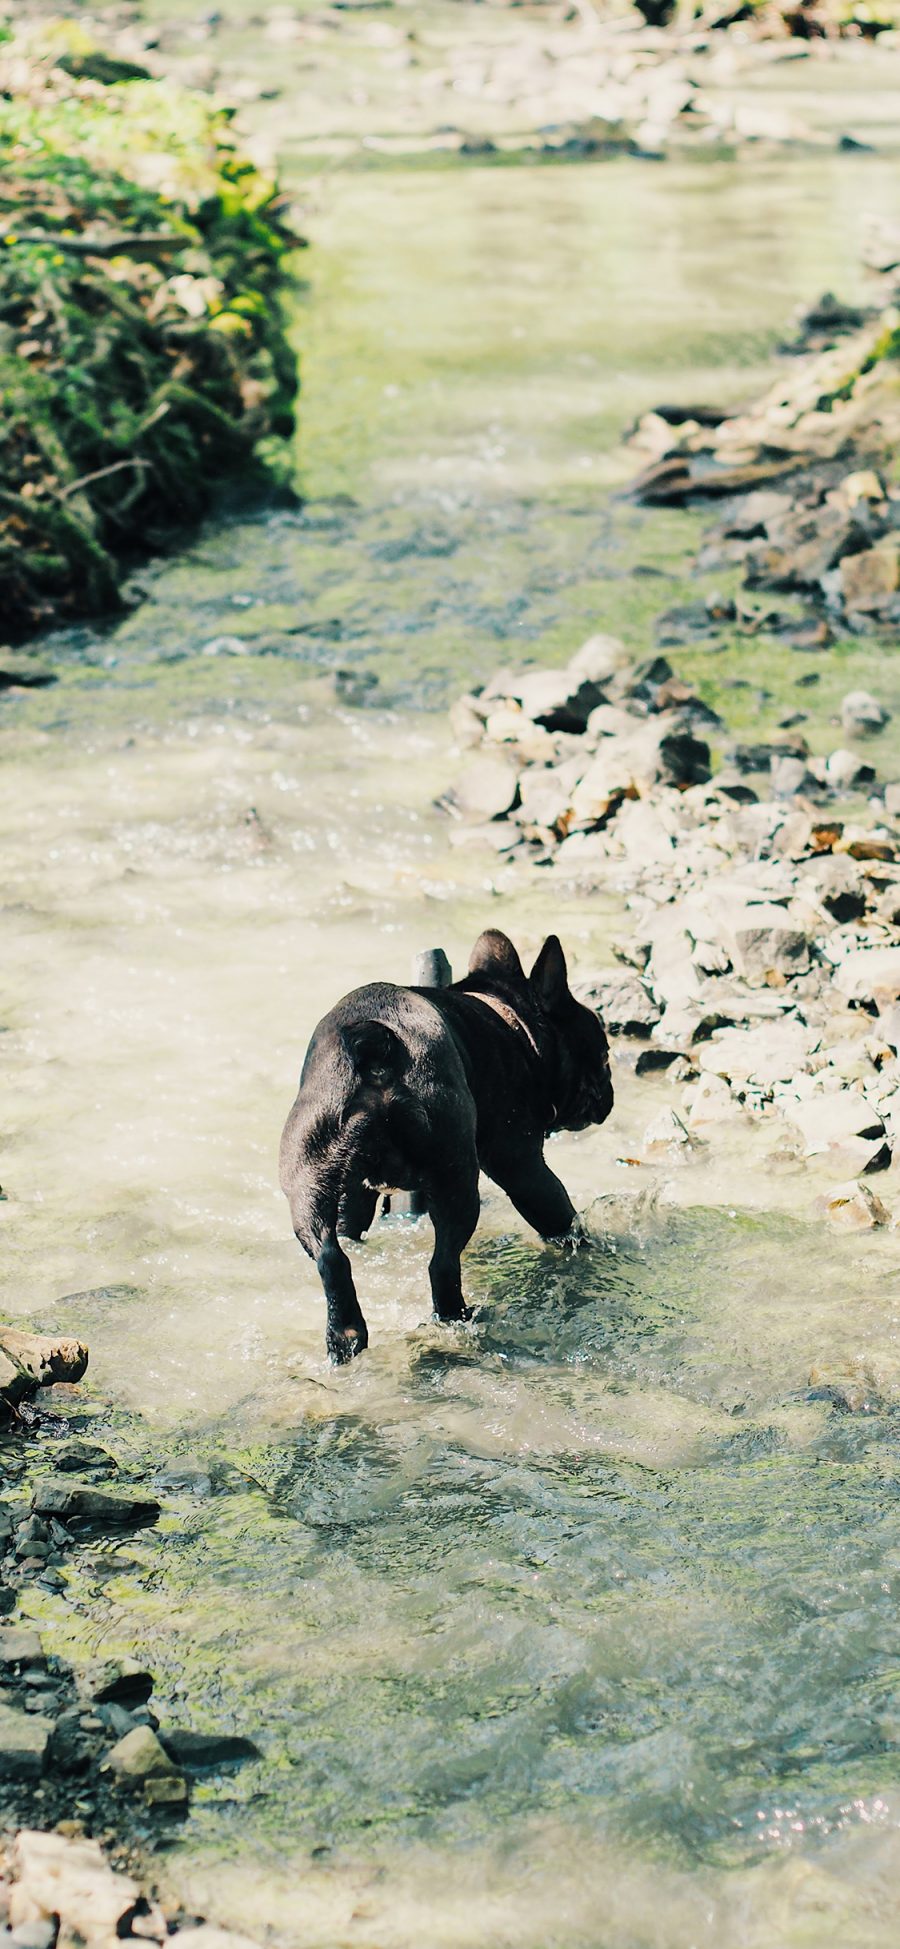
(577, 1625)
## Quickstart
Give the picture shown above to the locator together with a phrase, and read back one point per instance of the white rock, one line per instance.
(487, 788)
(870, 974)
(665, 1133)
(761, 942)
(599, 658)
(840, 1121)
(861, 714)
(764, 1056)
(71, 1879)
(710, 1101)
(843, 770)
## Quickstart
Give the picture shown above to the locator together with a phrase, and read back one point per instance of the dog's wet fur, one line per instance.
(420, 1089)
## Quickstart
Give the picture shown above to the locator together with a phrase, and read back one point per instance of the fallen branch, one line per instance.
(102, 473)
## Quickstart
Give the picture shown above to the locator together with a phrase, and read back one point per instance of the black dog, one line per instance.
(420, 1088)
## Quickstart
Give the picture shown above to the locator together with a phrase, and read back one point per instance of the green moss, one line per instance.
(133, 380)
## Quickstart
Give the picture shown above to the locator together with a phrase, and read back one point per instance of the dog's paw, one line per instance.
(345, 1345)
(456, 1319)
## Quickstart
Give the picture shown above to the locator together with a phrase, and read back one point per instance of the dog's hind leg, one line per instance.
(356, 1210)
(346, 1332)
(453, 1208)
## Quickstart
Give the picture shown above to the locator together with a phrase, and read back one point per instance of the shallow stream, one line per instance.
(578, 1625)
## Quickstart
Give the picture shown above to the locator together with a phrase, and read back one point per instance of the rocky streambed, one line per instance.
(761, 966)
(89, 1778)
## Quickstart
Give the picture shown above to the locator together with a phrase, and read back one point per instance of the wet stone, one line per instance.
(76, 1455)
(24, 1739)
(81, 1503)
(20, 1649)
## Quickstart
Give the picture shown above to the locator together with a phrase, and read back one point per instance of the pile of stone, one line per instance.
(804, 472)
(763, 960)
(59, 1889)
(86, 1743)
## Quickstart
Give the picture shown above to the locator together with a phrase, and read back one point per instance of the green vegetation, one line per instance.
(143, 355)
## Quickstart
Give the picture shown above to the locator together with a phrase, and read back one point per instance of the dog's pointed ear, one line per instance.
(549, 977)
(494, 954)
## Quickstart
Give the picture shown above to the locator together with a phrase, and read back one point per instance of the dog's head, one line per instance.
(571, 1036)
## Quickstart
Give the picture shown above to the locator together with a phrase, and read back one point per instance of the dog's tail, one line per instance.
(376, 1054)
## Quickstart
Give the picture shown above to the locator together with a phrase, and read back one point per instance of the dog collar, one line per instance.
(515, 1022)
(509, 1016)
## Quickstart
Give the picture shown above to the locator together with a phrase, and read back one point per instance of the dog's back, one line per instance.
(380, 1073)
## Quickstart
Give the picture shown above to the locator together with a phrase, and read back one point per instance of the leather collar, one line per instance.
(508, 1015)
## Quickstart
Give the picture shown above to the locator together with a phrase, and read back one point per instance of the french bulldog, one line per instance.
(422, 1088)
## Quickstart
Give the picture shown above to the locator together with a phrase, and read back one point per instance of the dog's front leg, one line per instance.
(453, 1209)
(538, 1195)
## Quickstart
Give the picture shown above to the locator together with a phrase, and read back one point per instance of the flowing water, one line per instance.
(577, 1625)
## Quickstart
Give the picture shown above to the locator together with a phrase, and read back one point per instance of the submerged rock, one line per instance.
(82, 1503)
(199, 1750)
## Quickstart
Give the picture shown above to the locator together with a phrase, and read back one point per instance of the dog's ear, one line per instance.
(549, 977)
(494, 954)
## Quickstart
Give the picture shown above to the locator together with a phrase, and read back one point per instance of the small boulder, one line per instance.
(77, 1455)
(138, 1757)
(870, 974)
(862, 715)
(560, 700)
(86, 1506)
(709, 1101)
(843, 1122)
(625, 1003)
(487, 789)
(68, 1878)
(24, 1739)
(600, 659)
(853, 1207)
(844, 772)
(20, 1650)
(872, 577)
(763, 1056)
(763, 944)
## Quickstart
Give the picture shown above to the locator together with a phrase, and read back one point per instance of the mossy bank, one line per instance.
(144, 362)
